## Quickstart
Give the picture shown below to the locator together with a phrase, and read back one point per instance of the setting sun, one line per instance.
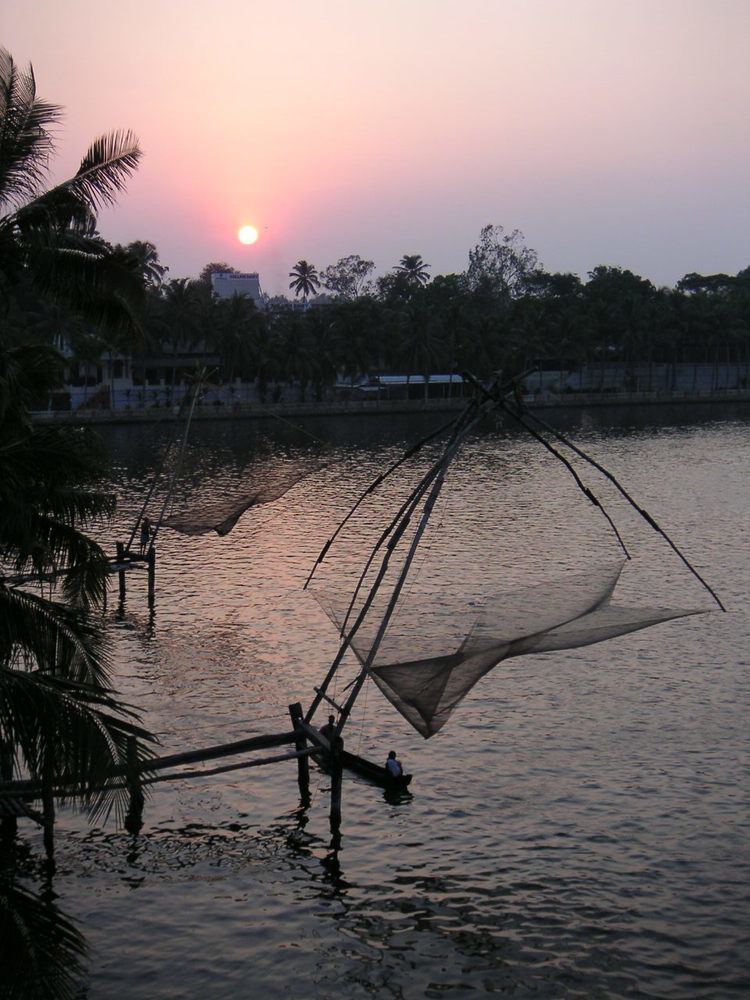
(247, 234)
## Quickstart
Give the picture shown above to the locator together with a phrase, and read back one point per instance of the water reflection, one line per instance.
(576, 831)
(42, 951)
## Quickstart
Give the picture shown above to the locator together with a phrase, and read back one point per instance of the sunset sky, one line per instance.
(609, 131)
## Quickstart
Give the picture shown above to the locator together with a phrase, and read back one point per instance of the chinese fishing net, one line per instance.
(263, 482)
(509, 565)
(429, 660)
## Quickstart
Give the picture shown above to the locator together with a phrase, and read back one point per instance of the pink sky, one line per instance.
(609, 131)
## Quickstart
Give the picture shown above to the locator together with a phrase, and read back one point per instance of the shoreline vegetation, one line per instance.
(480, 321)
(62, 724)
(368, 408)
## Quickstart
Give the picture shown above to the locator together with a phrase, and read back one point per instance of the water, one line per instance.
(579, 829)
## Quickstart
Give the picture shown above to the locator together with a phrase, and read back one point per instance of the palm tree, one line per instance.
(43, 950)
(59, 719)
(48, 237)
(414, 269)
(147, 257)
(305, 280)
(60, 722)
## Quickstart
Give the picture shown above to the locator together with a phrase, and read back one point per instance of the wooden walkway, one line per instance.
(136, 774)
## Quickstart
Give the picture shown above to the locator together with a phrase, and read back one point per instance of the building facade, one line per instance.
(225, 284)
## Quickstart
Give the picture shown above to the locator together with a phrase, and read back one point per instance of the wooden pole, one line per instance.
(121, 572)
(9, 823)
(48, 813)
(134, 817)
(437, 484)
(337, 774)
(303, 764)
(187, 757)
(151, 559)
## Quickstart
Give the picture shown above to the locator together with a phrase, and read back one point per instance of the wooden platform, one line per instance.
(12, 807)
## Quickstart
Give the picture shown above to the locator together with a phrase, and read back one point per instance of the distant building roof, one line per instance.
(417, 379)
(227, 283)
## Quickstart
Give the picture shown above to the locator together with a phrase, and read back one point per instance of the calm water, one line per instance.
(579, 829)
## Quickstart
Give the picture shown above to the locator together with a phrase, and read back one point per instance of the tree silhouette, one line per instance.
(305, 280)
(414, 269)
(48, 237)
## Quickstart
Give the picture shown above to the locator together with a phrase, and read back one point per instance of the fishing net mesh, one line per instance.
(427, 664)
(260, 484)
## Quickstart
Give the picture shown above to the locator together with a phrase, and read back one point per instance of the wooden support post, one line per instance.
(337, 774)
(8, 831)
(48, 814)
(9, 823)
(315, 737)
(330, 701)
(121, 572)
(151, 560)
(303, 764)
(134, 817)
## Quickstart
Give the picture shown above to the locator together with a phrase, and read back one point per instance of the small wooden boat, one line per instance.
(374, 772)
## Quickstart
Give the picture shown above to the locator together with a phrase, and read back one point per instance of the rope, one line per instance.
(621, 489)
(468, 419)
(587, 492)
(398, 530)
(180, 455)
(161, 468)
(378, 481)
(464, 425)
(400, 522)
(298, 427)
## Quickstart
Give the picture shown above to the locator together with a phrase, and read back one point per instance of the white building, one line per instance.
(226, 284)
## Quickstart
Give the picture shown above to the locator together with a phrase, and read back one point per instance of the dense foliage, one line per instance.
(60, 722)
(504, 312)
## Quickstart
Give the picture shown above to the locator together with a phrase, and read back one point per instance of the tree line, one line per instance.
(504, 311)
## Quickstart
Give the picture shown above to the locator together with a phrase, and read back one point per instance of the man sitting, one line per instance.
(393, 766)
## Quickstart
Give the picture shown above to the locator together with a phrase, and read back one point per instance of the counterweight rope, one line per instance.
(621, 489)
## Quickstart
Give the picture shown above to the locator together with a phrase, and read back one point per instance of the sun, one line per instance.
(247, 234)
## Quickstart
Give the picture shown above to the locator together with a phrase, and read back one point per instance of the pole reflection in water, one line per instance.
(42, 951)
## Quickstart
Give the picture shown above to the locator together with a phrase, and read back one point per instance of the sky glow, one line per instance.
(609, 131)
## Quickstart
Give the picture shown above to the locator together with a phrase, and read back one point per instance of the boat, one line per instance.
(375, 772)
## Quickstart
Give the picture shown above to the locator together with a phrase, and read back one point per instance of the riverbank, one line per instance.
(353, 408)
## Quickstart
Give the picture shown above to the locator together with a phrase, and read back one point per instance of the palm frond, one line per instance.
(102, 286)
(59, 640)
(108, 163)
(59, 457)
(58, 544)
(26, 373)
(26, 140)
(72, 735)
(43, 951)
(56, 210)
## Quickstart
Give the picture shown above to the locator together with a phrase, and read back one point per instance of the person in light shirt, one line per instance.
(393, 766)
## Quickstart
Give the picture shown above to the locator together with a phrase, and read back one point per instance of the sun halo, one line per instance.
(247, 234)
